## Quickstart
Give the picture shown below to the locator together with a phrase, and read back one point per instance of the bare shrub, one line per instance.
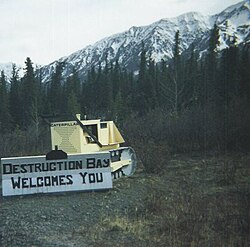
(32, 141)
(145, 135)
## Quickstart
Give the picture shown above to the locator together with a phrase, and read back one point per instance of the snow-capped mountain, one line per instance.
(158, 39)
(234, 24)
(7, 68)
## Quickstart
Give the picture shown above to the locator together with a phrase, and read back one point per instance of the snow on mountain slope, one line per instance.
(7, 68)
(158, 39)
(234, 24)
(238, 14)
(126, 47)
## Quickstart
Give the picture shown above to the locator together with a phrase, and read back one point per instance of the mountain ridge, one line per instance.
(158, 38)
(125, 47)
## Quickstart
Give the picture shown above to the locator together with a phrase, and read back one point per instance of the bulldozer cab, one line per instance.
(85, 136)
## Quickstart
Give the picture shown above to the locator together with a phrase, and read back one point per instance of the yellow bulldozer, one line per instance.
(85, 155)
(93, 136)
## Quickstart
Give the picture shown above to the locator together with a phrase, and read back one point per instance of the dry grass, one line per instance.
(202, 202)
(193, 202)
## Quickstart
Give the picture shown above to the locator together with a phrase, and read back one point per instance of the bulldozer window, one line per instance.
(104, 125)
(93, 130)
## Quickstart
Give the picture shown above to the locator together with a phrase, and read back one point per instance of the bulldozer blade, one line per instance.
(123, 162)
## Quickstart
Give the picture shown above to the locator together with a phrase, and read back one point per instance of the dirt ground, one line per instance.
(193, 202)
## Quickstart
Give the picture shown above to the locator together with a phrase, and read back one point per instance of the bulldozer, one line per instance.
(86, 155)
(93, 136)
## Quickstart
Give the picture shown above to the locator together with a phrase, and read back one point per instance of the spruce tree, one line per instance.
(15, 97)
(116, 79)
(176, 73)
(4, 106)
(88, 94)
(76, 83)
(127, 89)
(211, 90)
(244, 85)
(140, 100)
(164, 95)
(73, 106)
(30, 95)
(190, 80)
(177, 49)
(175, 86)
(55, 92)
(151, 86)
(72, 92)
(118, 108)
(108, 90)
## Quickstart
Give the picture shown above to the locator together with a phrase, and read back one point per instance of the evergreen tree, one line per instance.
(118, 108)
(151, 86)
(96, 93)
(55, 92)
(107, 85)
(175, 86)
(116, 79)
(140, 100)
(43, 103)
(15, 97)
(4, 106)
(211, 87)
(229, 83)
(76, 84)
(71, 93)
(87, 94)
(177, 49)
(127, 89)
(164, 95)
(244, 85)
(30, 95)
(190, 80)
(73, 106)
(176, 73)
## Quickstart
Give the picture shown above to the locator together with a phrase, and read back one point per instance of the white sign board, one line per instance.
(35, 174)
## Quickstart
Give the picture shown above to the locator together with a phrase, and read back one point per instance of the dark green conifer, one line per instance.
(15, 97)
(30, 93)
(4, 106)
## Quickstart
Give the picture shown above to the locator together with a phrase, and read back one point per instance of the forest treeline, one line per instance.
(189, 103)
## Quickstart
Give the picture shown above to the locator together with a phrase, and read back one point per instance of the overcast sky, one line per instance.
(46, 30)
